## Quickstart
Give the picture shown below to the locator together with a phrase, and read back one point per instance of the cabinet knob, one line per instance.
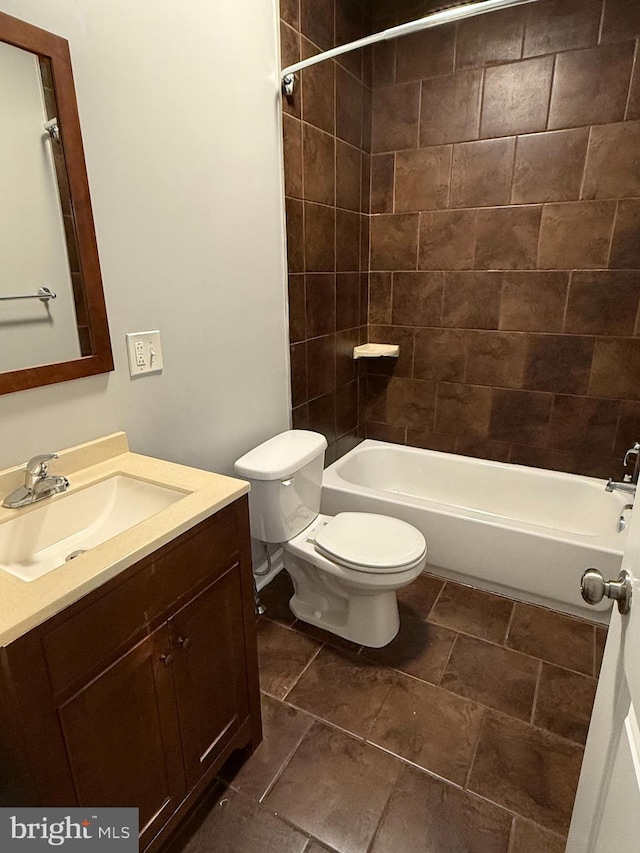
(166, 659)
(184, 642)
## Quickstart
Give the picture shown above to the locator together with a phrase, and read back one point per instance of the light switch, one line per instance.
(145, 352)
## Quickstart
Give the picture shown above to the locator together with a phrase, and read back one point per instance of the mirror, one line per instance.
(53, 322)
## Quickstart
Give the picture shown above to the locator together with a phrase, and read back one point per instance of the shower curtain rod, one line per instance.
(435, 19)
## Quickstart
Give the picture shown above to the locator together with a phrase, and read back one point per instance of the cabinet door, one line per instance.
(122, 736)
(210, 674)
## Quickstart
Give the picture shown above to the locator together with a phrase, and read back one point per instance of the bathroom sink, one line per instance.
(59, 529)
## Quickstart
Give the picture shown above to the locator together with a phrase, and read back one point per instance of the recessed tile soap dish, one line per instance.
(376, 351)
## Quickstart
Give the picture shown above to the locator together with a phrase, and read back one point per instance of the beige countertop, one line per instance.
(23, 605)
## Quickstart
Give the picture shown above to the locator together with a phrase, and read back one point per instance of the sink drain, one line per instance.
(75, 554)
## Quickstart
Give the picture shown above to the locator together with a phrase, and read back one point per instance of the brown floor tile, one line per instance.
(275, 597)
(552, 637)
(283, 728)
(426, 815)
(316, 847)
(282, 655)
(492, 675)
(526, 770)
(419, 649)
(430, 727)
(323, 636)
(601, 639)
(343, 689)
(529, 838)
(564, 702)
(239, 824)
(472, 611)
(335, 788)
(418, 598)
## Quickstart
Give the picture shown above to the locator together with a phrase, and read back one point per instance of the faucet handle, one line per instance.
(635, 450)
(37, 469)
(37, 465)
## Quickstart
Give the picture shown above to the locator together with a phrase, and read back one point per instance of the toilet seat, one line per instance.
(368, 542)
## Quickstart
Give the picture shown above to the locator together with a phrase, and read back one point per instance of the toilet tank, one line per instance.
(286, 482)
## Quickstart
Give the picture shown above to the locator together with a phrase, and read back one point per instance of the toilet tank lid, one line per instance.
(281, 455)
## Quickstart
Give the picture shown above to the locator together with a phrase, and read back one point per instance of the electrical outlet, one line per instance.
(145, 352)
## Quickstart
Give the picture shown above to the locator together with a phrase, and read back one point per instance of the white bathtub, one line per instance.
(523, 532)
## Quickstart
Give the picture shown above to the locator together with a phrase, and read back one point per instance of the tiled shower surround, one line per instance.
(327, 144)
(504, 217)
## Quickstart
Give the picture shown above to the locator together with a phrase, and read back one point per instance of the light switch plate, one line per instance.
(145, 352)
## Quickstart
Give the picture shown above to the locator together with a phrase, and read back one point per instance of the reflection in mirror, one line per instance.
(53, 322)
(33, 247)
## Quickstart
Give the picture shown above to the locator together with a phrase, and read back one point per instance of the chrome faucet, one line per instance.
(630, 481)
(37, 483)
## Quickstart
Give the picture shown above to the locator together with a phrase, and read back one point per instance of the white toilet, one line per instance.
(346, 568)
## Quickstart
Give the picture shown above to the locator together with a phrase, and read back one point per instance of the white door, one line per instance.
(606, 815)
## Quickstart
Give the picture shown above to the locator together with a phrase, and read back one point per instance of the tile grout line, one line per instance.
(483, 80)
(448, 660)
(474, 753)
(437, 598)
(634, 68)
(385, 809)
(554, 69)
(535, 695)
(512, 836)
(318, 719)
(601, 23)
(304, 669)
(585, 167)
(284, 765)
(566, 301)
(509, 624)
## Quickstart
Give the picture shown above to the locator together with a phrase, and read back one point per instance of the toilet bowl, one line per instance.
(346, 569)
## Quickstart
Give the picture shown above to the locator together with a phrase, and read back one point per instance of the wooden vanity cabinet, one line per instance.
(136, 694)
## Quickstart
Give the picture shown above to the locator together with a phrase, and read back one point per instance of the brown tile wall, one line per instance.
(327, 160)
(505, 234)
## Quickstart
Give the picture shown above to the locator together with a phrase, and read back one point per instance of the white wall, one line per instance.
(179, 118)
(33, 247)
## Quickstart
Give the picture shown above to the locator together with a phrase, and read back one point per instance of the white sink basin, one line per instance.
(43, 538)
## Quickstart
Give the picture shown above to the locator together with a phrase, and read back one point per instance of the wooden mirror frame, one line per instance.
(56, 50)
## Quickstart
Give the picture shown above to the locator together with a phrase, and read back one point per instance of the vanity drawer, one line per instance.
(205, 556)
(109, 623)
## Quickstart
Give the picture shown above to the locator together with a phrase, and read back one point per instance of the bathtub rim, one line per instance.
(607, 543)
